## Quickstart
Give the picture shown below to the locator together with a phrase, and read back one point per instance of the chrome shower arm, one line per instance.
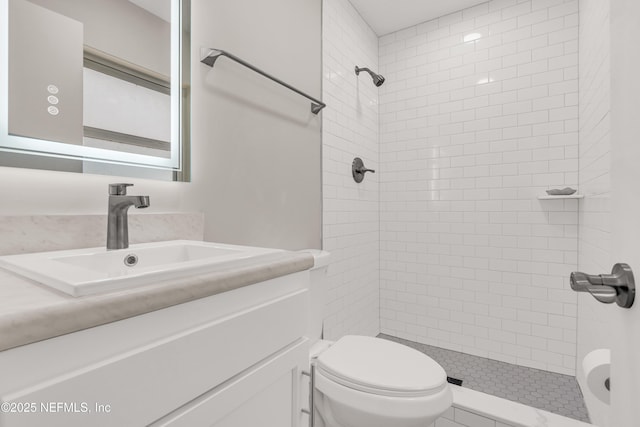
(358, 69)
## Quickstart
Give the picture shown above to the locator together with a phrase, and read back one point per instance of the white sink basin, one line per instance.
(89, 271)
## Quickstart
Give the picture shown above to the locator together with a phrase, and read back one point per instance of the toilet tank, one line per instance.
(318, 288)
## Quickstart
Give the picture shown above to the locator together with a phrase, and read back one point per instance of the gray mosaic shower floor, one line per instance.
(552, 392)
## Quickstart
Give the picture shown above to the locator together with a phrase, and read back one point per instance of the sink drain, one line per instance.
(130, 260)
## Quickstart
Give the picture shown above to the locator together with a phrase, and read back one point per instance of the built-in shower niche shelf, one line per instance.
(570, 196)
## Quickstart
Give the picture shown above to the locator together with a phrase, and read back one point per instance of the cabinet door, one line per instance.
(266, 395)
(272, 406)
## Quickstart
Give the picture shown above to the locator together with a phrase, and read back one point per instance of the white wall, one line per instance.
(35, 192)
(625, 205)
(350, 210)
(256, 146)
(471, 134)
(595, 163)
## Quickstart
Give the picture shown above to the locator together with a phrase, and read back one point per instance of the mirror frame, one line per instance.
(40, 147)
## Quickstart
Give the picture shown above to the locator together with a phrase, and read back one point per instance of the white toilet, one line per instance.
(369, 382)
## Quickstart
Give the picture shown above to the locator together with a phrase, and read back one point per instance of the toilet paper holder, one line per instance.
(596, 366)
(618, 287)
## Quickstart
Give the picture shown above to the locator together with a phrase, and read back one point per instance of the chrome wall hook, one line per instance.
(618, 287)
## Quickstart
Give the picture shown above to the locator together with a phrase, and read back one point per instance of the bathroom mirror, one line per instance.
(96, 86)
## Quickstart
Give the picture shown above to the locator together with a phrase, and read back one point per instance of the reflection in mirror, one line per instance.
(97, 86)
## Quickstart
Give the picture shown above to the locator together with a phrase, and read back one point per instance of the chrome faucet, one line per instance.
(117, 222)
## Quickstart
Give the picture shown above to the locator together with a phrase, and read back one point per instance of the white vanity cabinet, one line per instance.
(264, 395)
(230, 360)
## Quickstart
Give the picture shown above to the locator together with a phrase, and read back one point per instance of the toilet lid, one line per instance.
(382, 367)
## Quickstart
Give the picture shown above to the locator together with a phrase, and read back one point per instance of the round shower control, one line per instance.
(358, 169)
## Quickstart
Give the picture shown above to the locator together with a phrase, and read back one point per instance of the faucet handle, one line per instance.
(119, 189)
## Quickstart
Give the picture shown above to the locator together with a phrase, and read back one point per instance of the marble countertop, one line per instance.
(31, 312)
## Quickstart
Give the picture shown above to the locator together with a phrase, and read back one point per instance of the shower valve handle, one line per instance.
(363, 170)
(358, 169)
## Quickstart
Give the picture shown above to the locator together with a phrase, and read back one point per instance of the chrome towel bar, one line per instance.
(211, 55)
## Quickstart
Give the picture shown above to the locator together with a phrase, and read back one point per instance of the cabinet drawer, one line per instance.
(264, 395)
(142, 385)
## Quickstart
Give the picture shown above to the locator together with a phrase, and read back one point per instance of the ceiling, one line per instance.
(161, 9)
(387, 16)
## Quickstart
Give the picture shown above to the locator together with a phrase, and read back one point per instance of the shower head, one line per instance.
(377, 78)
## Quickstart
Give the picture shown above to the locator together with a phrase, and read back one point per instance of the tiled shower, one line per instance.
(471, 133)
(479, 115)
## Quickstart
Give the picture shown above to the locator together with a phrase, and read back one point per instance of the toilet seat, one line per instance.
(381, 367)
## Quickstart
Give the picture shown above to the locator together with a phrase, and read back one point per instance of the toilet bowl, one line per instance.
(369, 382)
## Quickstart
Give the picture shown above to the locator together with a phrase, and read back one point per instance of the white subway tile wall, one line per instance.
(351, 227)
(478, 117)
(595, 163)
